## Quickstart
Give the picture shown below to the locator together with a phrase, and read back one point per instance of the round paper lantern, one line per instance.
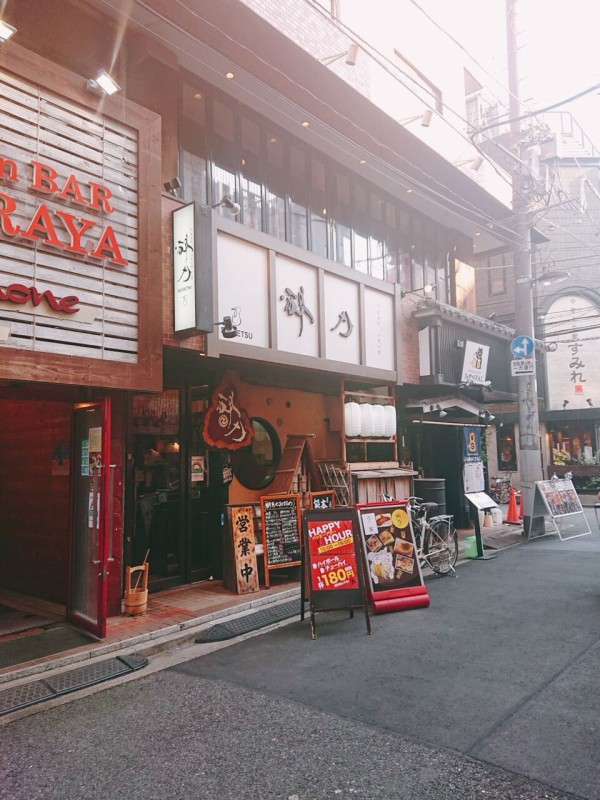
(389, 413)
(366, 420)
(352, 420)
(378, 420)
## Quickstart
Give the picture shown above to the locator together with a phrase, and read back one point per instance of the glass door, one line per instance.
(90, 538)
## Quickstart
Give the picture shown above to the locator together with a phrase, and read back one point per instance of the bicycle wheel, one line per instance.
(440, 547)
(504, 495)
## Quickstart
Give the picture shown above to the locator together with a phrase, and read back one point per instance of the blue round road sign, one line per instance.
(522, 347)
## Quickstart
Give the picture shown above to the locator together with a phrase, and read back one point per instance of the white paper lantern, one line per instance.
(378, 420)
(366, 420)
(352, 420)
(390, 420)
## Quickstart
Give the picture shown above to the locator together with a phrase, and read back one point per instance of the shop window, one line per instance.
(275, 209)
(496, 275)
(507, 454)
(255, 466)
(250, 177)
(318, 209)
(156, 446)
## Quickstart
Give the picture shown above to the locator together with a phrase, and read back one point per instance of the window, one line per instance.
(496, 274)
(295, 194)
(255, 466)
(251, 177)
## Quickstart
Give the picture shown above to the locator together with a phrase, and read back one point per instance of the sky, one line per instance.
(559, 48)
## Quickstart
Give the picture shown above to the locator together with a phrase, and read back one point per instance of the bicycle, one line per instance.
(436, 538)
(500, 488)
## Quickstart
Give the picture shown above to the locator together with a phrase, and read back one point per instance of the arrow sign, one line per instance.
(522, 347)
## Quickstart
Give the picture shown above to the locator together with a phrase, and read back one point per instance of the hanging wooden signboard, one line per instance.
(557, 499)
(333, 573)
(281, 523)
(324, 499)
(241, 522)
(394, 578)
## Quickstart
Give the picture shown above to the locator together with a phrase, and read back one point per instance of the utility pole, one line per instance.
(530, 456)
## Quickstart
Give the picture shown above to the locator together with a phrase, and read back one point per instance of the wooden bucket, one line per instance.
(136, 597)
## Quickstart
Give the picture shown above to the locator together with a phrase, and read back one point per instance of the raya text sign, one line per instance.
(332, 554)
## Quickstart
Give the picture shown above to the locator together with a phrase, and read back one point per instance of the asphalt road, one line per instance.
(491, 692)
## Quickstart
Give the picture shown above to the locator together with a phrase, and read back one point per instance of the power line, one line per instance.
(432, 194)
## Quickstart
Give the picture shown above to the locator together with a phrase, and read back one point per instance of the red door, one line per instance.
(91, 528)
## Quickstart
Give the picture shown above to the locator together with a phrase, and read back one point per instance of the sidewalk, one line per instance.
(174, 618)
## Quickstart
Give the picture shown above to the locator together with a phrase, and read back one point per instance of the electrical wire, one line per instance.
(442, 200)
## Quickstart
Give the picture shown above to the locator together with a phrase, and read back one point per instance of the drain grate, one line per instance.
(249, 622)
(28, 694)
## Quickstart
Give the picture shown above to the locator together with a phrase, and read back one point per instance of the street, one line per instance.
(490, 692)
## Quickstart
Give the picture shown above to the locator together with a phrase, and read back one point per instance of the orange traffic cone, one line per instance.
(513, 514)
(520, 504)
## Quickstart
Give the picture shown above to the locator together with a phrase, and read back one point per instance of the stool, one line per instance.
(136, 591)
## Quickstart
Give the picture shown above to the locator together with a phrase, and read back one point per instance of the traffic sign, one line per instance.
(522, 366)
(522, 347)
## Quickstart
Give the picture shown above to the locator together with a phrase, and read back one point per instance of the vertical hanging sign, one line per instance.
(192, 269)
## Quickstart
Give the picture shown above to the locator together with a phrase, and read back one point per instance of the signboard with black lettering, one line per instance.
(333, 563)
(244, 549)
(394, 578)
(324, 499)
(281, 531)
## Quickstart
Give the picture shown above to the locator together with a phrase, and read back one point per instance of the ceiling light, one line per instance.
(305, 124)
(230, 75)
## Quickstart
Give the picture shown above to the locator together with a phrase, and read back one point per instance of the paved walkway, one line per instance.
(176, 616)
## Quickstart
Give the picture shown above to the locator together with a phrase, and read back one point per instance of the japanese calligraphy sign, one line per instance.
(281, 531)
(244, 546)
(226, 424)
(572, 364)
(333, 562)
(324, 499)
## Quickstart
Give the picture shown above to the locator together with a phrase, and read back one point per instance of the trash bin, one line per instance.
(432, 490)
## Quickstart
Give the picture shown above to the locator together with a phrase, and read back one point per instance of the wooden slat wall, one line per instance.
(38, 125)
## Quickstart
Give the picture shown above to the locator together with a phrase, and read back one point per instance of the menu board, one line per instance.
(333, 562)
(560, 497)
(394, 573)
(281, 531)
(557, 498)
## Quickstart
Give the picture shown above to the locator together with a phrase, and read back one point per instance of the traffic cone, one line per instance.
(520, 504)
(513, 514)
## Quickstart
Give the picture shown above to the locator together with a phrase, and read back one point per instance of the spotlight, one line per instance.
(173, 186)
(229, 203)
(6, 31)
(103, 84)
(590, 402)
(441, 412)
(565, 404)
(228, 329)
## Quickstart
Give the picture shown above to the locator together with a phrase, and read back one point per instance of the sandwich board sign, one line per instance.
(333, 574)
(558, 500)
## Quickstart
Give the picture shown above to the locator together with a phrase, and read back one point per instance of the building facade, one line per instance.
(204, 267)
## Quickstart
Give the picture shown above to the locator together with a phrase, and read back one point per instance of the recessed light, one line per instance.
(409, 191)
(273, 139)
(363, 161)
(6, 31)
(477, 233)
(198, 96)
(305, 124)
(230, 75)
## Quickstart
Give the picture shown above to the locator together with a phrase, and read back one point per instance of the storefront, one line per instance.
(77, 255)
